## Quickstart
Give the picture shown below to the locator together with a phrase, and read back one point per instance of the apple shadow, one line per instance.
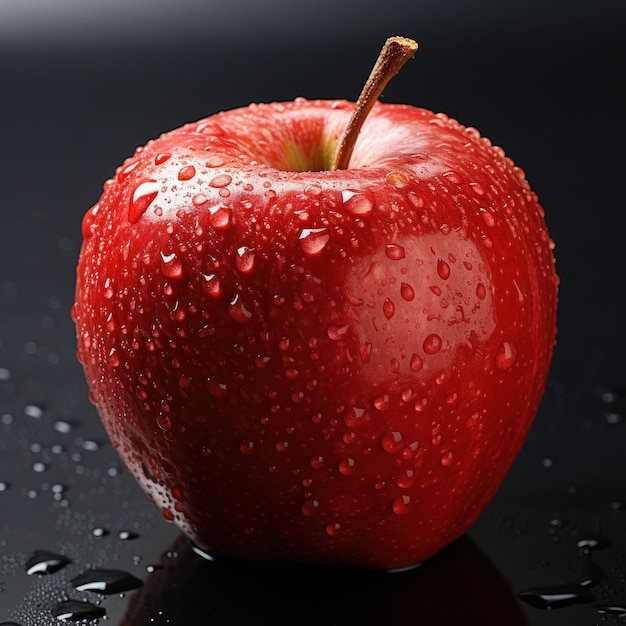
(457, 586)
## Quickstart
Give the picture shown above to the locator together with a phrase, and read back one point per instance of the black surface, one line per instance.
(555, 99)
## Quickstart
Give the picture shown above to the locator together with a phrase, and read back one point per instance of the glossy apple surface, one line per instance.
(298, 363)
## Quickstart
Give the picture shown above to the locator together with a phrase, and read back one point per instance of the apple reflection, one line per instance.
(458, 586)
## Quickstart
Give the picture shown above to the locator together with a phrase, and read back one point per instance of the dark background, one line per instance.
(83, 84)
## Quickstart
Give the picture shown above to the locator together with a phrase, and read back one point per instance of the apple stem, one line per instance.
(394, 54)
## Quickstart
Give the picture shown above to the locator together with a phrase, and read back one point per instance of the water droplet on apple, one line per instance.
(244, 260)
(357, 203)
(394, 251)
(382, 402)
(141, 198)
(397, 179)
(336, 333)
(164, 422)
(221, 180)
(446, 459)
(313, 240)
(125, 171)
(432, 344)
(313, 190)
(405, 479)
(171, 266)
(349, 437)
(453, 177)
(308, 507)
(355, 417)
(392, 442)
(407, 292)
(481, 291)
(416, 363)
(246, 447)
(443, 269)
(347, 466)
(505, 355)
(161, 158)
(114, 359)
(238, 310)
(488, 217)
(221, 217)
(401, 505)
(108, 289)
(211, 285)
(187, 172)
(198, 200)
(388, 308)
(215, 161)
(216, 389)
(333, 528)
(317, 462)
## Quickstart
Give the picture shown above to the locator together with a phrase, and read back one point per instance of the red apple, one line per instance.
(306, 363)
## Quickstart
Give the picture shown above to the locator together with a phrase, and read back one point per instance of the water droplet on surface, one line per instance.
(432, 344)
(221, 217)
(221, 180)
(443, 269)
(246, 447)
(382, 402)
(34, 411)
(481, 291)
(127, 535)
(388, 308)
(244, 260)
(405, 479)
(392, 442)
(608, 609)
(333, 528)
(588, 544)
(401, 505)
(488, 217)
(336, 333)
(407, 292)
(397, 179)
(164, 422)
(217, 389)
(238, 311)
(141, 198)
(317, 462)
(161, 158)
(44, 562)
(171, 265)
(505, 355)
(215, 161)
(556, 597)
(394, 252)
(308, 507)
(187, 172)
(106, 581)
(446, 459)
(416, 363)
(357, 203)
(77, 611)
(126, 171)
(347, 466)
(313, 240)
(211, 285)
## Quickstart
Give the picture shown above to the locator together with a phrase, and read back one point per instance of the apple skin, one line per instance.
(330, 366)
